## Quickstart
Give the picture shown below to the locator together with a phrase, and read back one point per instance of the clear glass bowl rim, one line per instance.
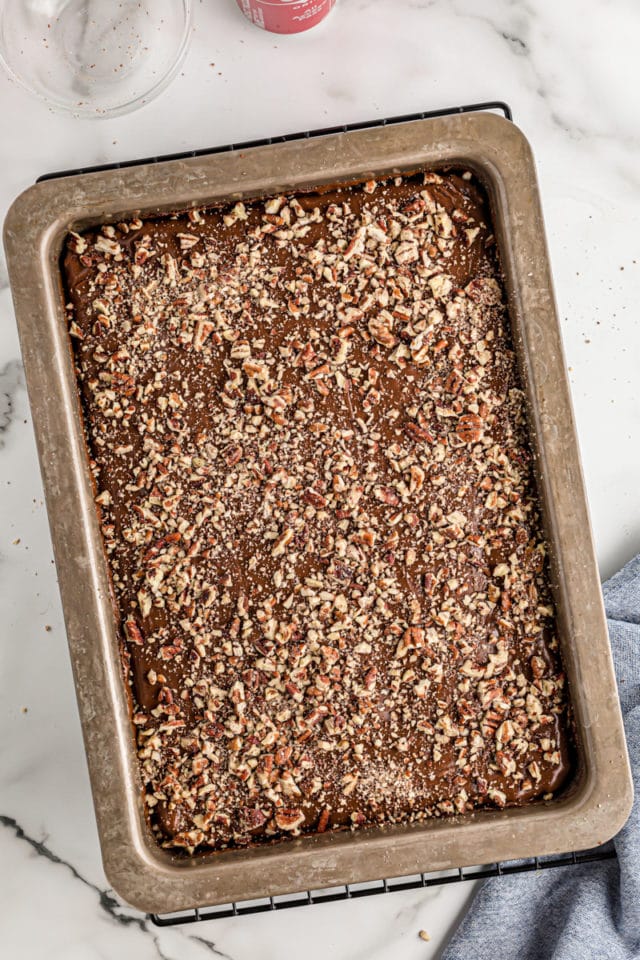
(96, 113)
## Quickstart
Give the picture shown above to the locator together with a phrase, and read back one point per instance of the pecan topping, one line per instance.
(315, 489)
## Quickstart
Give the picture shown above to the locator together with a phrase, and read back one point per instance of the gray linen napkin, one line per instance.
(586, 912)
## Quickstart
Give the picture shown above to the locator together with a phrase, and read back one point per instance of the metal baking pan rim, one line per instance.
(140, 871)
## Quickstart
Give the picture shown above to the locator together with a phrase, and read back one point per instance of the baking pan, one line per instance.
(598, 800)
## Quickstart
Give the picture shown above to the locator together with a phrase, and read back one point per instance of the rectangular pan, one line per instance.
(598, 801)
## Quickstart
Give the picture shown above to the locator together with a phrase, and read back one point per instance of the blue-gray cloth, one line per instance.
(586, 912)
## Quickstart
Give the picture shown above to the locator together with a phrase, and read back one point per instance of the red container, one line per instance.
(285, 16)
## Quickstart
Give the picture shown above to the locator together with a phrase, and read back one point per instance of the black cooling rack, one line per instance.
(357, 891)
(492, 106)
(373, 888)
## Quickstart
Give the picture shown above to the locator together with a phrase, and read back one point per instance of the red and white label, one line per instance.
(285, 16)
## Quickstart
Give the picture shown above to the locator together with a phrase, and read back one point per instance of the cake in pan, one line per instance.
(309, 444)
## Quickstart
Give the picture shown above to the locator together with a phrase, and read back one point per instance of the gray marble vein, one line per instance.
(11, 379)
(210, 947)
(519, 46)
(106, 900)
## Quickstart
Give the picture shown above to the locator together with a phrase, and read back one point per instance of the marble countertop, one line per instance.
(568, 70)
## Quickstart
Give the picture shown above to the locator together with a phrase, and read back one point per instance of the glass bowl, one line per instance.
(94, 58)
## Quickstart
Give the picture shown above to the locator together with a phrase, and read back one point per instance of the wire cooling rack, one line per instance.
(357, 891)
(373, 888)
(492, 106)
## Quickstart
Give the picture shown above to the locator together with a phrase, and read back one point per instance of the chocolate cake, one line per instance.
(309, 443)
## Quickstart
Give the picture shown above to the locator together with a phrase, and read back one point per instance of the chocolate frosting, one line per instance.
(309, 443)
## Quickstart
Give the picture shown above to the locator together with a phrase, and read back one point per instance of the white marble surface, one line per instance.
(569, 71)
